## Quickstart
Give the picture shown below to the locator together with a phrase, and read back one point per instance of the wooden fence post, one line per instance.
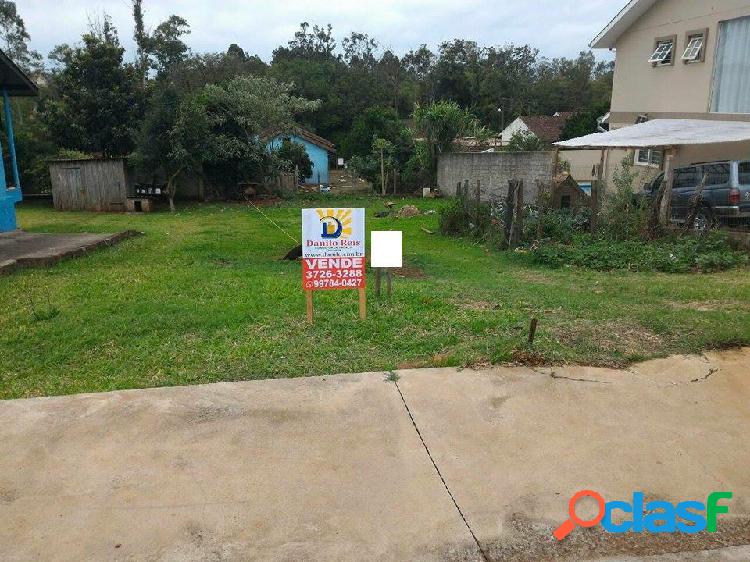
(477, 200)
(665, 211)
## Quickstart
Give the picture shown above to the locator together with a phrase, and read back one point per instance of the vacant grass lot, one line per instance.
(203, 297)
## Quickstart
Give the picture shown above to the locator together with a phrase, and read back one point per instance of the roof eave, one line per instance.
(608, 36)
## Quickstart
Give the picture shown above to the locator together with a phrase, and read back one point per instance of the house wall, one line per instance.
(494, 170)
(318, 155)
(582, 163)
(91, 185)
(678, 91)
(674, 91)
(517, 126)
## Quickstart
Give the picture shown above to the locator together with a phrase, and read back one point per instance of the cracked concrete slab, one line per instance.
(331, 468)
(515, 444)
(307, 469)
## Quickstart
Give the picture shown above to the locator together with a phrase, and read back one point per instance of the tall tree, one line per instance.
(141, 38)
(96, 105)
(217, 130)
(15, 38)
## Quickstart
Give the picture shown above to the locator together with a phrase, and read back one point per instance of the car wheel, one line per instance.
(704, 220)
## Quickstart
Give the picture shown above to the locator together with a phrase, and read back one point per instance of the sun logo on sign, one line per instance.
(335, 223)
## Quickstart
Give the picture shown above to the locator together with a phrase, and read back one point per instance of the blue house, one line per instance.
(317, 149)
(13, 82)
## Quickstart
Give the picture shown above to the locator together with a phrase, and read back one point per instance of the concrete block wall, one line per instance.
(494, 170)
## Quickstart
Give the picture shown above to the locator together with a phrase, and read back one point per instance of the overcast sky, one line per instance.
(556, 27)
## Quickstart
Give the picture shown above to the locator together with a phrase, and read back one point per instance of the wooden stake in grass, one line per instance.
(532, 331)
(309, 305)
(362, 304)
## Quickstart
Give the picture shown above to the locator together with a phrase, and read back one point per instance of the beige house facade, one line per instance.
(679, 59)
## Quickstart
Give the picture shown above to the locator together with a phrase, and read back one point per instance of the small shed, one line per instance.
(568, 194)
(317, 149)
(90, 185)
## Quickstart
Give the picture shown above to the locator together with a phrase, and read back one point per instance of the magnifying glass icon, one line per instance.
(566, 528)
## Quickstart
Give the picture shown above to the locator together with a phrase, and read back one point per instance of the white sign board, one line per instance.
(333, 248)
(387, 249)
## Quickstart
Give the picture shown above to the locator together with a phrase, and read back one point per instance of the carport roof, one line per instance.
(664, 133)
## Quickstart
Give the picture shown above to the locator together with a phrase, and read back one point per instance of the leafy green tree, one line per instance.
(293, 156)
(440, 124)
(580, 124)
(166, 45)
(161, 50)
(15, 39)
(96, 105)
(525, 141)
(372, 123)
(383, 150)
(218, 130)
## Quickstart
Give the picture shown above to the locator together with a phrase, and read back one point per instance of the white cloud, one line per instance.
(557, 28)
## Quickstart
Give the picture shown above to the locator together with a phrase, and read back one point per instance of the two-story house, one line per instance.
(679, 59)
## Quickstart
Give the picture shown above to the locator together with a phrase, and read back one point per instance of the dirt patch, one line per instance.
(479, 306)
(536, 277)
(709, 306)
(409, 272)
(437, 360)
(264, 201)
(528, 358)
(610, 336)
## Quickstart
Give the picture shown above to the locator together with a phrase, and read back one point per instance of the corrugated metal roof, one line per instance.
(664, 133)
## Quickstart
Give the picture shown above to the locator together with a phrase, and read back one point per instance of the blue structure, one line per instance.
(13, 82)
(317, 149)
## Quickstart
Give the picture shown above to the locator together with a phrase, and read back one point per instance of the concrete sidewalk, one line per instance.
(436, 466)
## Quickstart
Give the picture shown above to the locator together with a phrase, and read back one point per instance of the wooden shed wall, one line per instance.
(91, 185)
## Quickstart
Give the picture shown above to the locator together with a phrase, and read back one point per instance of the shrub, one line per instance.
(623, 216)
(557, 225)
(675, 255)
(463, 218)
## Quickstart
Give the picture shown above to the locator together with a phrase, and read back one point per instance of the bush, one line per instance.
(560, 226)
(623, 216)
(676, 255)
(464, 218)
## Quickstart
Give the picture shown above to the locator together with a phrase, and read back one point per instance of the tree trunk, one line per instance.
(172, 189)
(382, 173)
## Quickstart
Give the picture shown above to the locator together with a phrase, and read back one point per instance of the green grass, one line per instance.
(203, 297)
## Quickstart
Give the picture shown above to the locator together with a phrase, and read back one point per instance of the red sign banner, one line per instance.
(333, 273)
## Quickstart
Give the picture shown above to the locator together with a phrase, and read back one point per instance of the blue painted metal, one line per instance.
(8, 197)
(11, 141)
(318, 155)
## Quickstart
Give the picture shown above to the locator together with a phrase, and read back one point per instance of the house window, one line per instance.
(649, 157)
(731, 91)
(663, 51)
(565, 202)
(695, 50)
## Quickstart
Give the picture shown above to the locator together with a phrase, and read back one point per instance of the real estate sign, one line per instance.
(333, 249)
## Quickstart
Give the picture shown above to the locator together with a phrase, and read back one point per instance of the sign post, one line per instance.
(333, 253)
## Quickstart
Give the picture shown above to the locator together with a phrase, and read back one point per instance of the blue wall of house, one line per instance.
(318, 156)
